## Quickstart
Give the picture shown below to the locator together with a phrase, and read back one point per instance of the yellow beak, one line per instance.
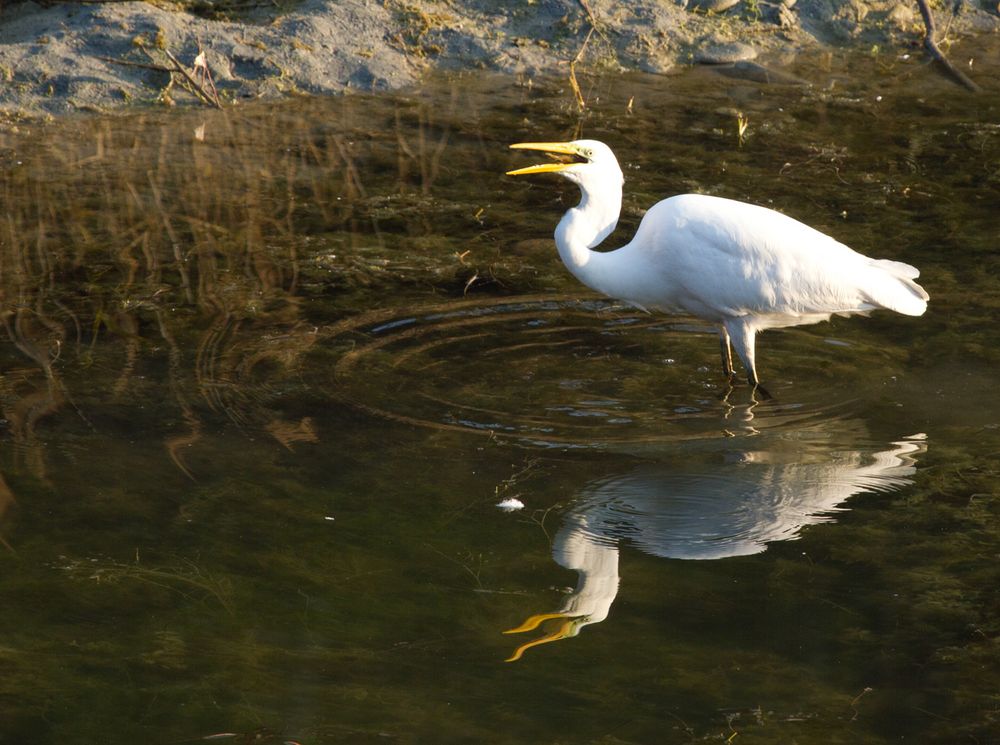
(561, 148)
(534, 622)
(564, 631)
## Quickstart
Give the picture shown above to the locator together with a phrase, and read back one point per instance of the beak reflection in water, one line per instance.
(706, 512)
(568, 627)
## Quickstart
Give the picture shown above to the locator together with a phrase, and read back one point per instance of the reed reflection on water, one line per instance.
(187, 245)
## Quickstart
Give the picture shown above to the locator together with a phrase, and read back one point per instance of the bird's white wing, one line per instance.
(719, 258)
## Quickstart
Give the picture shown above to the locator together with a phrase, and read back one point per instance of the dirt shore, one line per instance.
(70, 57)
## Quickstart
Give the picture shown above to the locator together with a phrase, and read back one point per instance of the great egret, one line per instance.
(699, 510)
(741, 267)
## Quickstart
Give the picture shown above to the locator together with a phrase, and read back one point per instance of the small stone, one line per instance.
(248, 53)
(722, 54)
(711, 6)
(760, 74)
(787, 17)
(901, 16)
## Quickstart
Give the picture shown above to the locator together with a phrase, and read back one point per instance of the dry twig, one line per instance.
(580, 102)
(129, 63)
(195, 85)
(931, 46)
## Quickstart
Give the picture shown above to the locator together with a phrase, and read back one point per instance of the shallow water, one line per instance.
(267, 373)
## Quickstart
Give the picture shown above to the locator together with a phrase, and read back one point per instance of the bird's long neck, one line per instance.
(584, 227)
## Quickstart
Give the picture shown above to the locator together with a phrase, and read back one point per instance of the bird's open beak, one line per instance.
(534, 622)
(566, 629)
(554, 149)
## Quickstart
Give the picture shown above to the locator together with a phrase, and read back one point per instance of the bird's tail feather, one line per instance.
(894, 288)
(897, 268)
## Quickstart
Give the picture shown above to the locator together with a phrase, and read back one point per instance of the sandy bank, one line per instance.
(97, 57)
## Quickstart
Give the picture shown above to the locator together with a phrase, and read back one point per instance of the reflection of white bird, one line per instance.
(741, 267)
(596, 562)
(706, 512)
(715, 511)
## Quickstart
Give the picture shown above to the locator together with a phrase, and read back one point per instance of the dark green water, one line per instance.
(262, 391)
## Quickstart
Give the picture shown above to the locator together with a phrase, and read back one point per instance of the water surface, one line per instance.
(268, 371)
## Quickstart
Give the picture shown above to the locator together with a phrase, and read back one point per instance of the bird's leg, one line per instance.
(742, 335)
(727, 354)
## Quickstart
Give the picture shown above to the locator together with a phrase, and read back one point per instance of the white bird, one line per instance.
(702, 510)
(738, 266)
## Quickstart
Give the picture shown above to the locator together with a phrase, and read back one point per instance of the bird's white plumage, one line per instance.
(718, 258)
(740, 266)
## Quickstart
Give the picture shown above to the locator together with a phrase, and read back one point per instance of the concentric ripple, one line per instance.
(553, 371)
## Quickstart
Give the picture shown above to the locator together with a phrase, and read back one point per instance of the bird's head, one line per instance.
(587, 163)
